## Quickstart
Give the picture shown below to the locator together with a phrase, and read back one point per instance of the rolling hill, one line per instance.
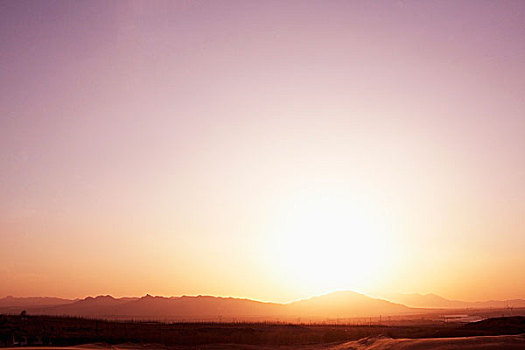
(337, 305)
(436, 301)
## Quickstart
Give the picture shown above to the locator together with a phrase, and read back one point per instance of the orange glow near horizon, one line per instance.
(267, 150)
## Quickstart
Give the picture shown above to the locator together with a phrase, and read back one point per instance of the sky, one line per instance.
(272, 150)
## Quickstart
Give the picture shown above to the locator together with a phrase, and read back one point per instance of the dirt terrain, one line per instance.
(66, 333)
(372, 343)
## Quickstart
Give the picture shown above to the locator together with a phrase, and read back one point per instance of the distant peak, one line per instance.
(101, 297)
(151, 297)
(342, 293)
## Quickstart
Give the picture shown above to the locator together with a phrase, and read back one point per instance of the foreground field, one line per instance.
(44, 332)
(463, 343)
(373, 343)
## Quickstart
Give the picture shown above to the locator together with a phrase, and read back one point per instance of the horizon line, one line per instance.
(259, 300)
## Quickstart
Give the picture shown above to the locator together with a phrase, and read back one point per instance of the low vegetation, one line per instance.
(61, 331)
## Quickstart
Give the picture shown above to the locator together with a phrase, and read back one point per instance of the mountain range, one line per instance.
(435, 301)
(337, 305)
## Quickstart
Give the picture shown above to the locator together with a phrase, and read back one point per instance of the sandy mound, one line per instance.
(463, 343)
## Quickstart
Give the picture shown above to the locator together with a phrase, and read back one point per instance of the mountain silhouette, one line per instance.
(342, 304)
(346, 304)
(436, 301)
(11, 301)
(338, 304)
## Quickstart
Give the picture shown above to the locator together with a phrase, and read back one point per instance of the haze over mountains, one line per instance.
(435, 301)
(343, 304)
(32, 301)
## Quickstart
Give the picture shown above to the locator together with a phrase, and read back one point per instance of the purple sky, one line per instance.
(158, 138)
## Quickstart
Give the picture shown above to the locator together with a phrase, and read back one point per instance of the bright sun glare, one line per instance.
(325, 243)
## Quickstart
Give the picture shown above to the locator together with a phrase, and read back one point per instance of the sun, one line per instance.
(329, 242)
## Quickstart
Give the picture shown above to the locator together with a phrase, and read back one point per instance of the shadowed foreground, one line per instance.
(44, 332)
(463, 343)
(373, 343)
